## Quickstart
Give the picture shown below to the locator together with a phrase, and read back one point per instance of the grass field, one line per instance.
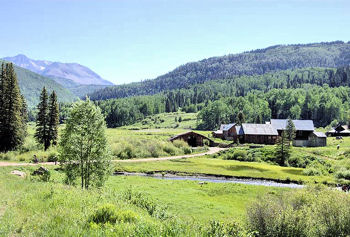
(124, 143)
(32, 208)
(176, 120)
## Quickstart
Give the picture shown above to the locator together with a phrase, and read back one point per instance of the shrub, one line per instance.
(52, 157)
(343, 174)
(169, 149)
(179, 143)
(187, 150)
(310, 212)
(104, 214)
(217, 228)
(108, 213)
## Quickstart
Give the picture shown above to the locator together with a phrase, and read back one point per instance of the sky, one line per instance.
(132, 40)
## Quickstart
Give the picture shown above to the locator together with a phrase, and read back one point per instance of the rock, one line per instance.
(19, 173)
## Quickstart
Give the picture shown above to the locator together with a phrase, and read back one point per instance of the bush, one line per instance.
(217, 228)
(316, 211)
(52, 157)
(108, 213)
(187, 150)
(343, 174)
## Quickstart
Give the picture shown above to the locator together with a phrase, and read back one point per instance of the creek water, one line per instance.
(202, 179)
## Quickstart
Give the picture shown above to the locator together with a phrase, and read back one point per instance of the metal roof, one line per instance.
(259, 129)
(226, 127)
(239, 130)
(300, 125)
(320, 134)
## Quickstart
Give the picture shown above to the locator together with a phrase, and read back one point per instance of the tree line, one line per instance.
(257, 62)
(313, 93)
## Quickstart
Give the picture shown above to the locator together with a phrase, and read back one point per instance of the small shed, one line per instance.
(317, 139)
(193, 139)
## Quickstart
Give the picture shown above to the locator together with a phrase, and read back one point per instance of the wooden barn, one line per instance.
(339, 131)
(193, 139)
(305, 132)
(227, 132)
(258, 133)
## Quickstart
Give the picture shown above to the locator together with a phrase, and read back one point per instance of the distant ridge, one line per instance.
(73, 71)
(31, 84)
(255, 62)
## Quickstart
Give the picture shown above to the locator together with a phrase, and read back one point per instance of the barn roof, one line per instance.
(258, 129)
(189, 133)
(300, 125)
(226, 127)
(319, 134)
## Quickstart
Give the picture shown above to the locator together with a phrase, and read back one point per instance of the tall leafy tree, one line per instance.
(42, 133)
(83, 150)
(12, 110)
(53, 118)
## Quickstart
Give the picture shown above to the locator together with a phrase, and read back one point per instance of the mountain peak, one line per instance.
(72, 71)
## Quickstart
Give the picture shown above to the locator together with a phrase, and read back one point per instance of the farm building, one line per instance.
(269, 132)
(258, 133)
(193, 139)
(227, 132)
(305, 132)
(339, 131)
(317, 139)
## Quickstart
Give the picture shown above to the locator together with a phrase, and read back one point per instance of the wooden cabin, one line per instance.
(339, 131)
(305, 132)
(193, 139)
(227, 132)
(258, 133)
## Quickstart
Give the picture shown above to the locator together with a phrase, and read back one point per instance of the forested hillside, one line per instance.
(257, 62)
(31, 85)
(320, 94)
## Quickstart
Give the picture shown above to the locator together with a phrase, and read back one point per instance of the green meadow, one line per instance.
(145, 206)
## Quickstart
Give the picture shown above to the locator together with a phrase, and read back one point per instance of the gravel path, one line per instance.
(211, 150)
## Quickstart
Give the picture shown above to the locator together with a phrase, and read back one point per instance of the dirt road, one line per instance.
(212, 150)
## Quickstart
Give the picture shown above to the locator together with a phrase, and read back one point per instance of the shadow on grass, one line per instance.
(244, 168)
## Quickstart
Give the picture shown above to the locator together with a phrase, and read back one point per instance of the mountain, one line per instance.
(256, 62)
(70, 75)
(31, 84)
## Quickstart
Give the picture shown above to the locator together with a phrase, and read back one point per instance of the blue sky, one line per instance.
(133, 40)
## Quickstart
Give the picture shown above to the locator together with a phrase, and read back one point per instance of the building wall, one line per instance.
(260, 139)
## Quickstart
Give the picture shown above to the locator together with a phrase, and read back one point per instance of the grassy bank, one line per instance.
(144, 206)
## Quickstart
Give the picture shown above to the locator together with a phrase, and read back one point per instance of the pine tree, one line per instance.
(42, 121)
(12, 113)
(53, 118)
(240, 118)
(290, 130)
(282, 149)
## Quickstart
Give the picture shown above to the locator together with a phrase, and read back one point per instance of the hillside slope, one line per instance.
(31, 84)
(275, 58)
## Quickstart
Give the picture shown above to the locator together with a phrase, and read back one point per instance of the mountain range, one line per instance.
(77, 78)
(31, 84)
(256, 62)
